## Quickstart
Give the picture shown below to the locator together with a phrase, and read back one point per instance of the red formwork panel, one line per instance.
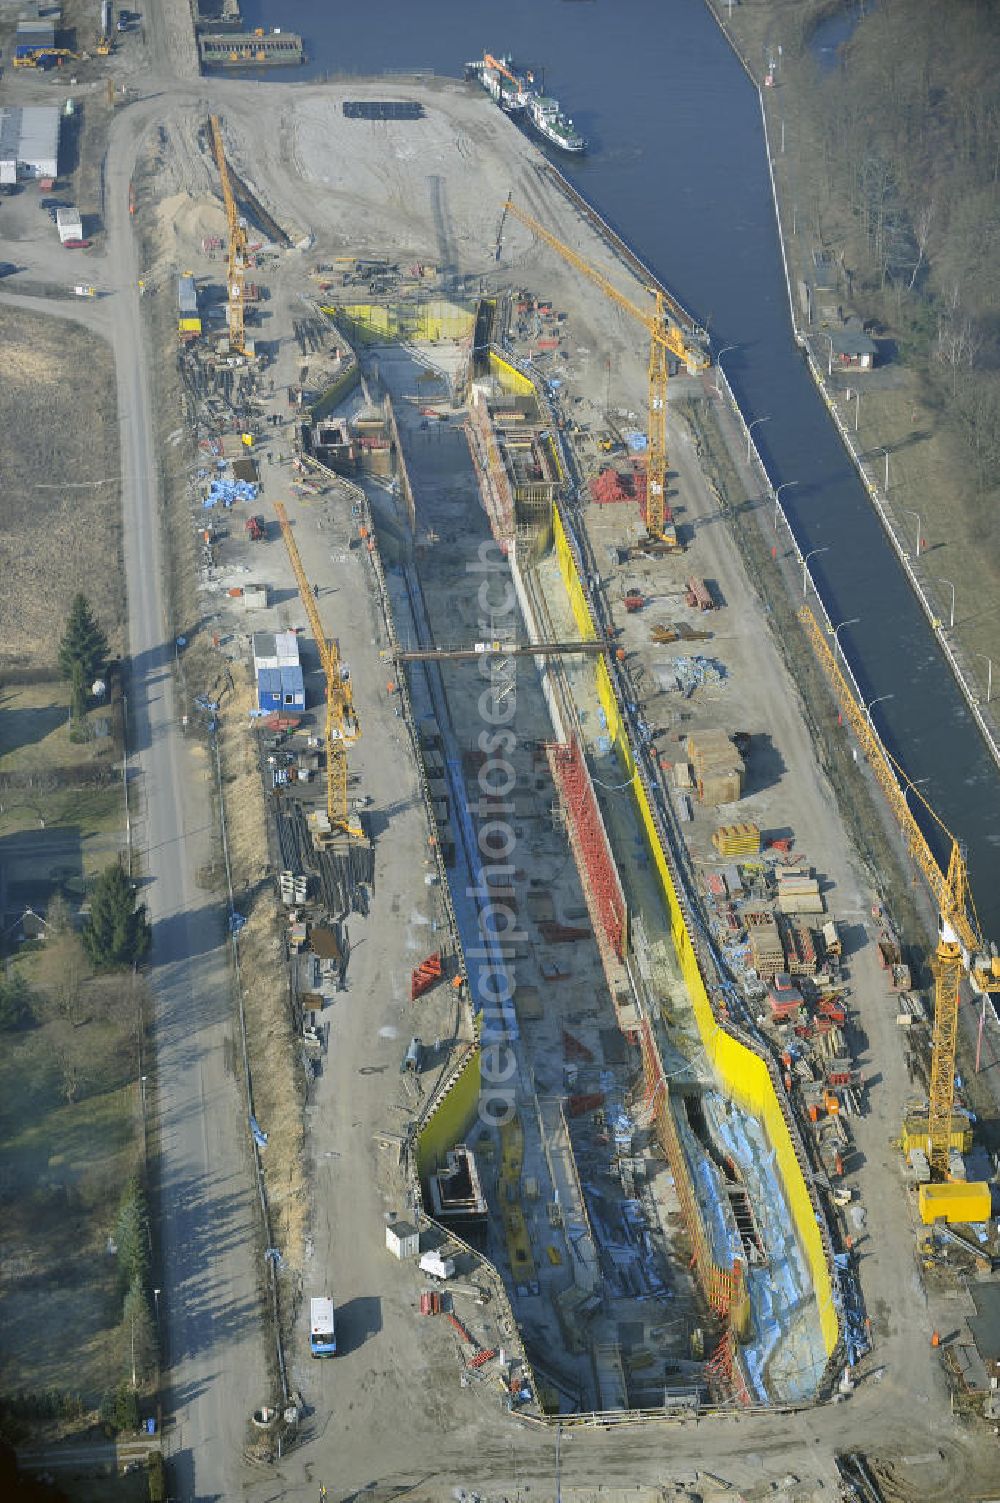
(570, 772)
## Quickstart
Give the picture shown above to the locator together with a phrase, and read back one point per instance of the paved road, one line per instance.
(209, 1302)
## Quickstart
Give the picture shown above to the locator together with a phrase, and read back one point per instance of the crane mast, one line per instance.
(237, 245)
(664, 339)
(960, 950)
(341, 720)
(499, 66)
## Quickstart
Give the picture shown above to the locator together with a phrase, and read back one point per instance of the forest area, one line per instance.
(905, 179)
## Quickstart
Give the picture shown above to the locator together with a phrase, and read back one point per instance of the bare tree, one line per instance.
(921, 233)
(960, 338)
(69, 1071)
(66, 969)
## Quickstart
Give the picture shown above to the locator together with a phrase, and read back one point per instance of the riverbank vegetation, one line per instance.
(912, 147)
(886, 147)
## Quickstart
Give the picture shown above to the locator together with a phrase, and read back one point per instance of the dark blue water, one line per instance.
(678, 165)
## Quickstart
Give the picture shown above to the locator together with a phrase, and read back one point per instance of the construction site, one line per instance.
(422, 501)
(555, 964)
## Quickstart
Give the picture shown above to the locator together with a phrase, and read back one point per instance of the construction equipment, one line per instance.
(665, 339)
(677, 631)
(499, 66)
(341, 721)
(43, 57)
(106, 30)
(237, 245)
(501, 649)
(256, 529)
(960, 947)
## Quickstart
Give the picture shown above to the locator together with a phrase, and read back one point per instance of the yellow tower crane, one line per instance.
(960, 949)
(665, 338)
(342, 726)
(237, 245)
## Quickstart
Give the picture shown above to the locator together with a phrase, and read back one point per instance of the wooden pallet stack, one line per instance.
(737, 840)
(718, 767)
(766, 951)
(798, 890)
(800, 950)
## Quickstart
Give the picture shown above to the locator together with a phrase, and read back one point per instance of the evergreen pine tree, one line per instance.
(117, 932)
(77, 691)
(83, 651)
(132, 1235)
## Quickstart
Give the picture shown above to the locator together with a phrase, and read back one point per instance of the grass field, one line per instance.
(34, 730)
(61, 799)
(60, 494)
(70, 1115)
(69, 1139)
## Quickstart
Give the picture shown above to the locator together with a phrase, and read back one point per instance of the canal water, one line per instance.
(678, 165)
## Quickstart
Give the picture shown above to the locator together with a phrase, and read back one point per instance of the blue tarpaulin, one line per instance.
(226, 492)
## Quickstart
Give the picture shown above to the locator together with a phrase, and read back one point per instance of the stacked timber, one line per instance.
(798, 891)
(766, 950)
(737, 840)
(800, 951)
(718, 767)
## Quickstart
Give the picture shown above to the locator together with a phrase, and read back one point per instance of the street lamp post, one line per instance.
(920, 531)
(836, 634)
(785, 484)
(718, 365)
(941, 580)
(156, 1306)
(989, 675)
(829, 363)
(750, 428)
(880, 699)
(857, 409)
(885, 451)
(805, 565)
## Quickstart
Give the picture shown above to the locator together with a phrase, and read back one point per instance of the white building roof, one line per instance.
(275, 649)
(30, 134)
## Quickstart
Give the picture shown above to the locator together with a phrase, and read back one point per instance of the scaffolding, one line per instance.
(590, 839)
(725, 1289)
(494, 483)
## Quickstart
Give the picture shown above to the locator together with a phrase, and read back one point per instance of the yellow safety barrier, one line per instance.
(510, 378)
(452, 1117)
(571, 579)
(423, 323)
(743, 1074)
